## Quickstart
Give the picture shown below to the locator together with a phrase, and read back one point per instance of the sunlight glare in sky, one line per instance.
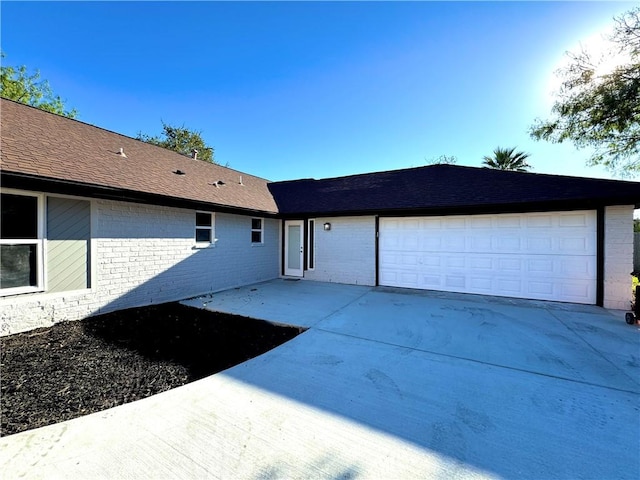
(605, 56)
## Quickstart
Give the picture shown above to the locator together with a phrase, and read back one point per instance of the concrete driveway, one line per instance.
(386, 383)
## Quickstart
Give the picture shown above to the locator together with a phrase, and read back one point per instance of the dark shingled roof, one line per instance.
(47, 152)
(36, 143)
(448, 189)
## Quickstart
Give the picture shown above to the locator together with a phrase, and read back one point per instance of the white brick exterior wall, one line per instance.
(618, 256)
(143, 254)
(346, 253)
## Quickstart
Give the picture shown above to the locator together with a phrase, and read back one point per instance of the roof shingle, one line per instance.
(37, 144)
(448, 188)
(42, 144)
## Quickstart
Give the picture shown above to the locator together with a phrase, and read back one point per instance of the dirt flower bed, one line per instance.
(72, 369)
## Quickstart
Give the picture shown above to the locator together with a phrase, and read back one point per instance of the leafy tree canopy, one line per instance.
(17, 84)
(442, 160)
(598, 107)
(507, 159)
(181, 140)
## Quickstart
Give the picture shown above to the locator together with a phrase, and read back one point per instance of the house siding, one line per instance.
(618, 256)
(346, 253)
(68, 237)
(145, 254)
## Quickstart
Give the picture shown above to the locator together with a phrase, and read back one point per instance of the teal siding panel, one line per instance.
(68, 236)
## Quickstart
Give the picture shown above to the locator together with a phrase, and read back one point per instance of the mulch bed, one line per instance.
(72, 369)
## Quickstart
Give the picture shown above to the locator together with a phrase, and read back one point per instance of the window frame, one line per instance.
(257, 230)
(311, 244)
(38, 242)
(210, 228)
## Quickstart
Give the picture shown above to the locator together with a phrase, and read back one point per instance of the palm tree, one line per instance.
(507, 159)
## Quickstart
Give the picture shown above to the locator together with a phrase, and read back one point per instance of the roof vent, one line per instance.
(240, 182)
(194, 153)
(121, 153)
(178, 172)
(218, 184)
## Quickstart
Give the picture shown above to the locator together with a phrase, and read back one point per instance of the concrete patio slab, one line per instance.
(385, 384)
(288, 301)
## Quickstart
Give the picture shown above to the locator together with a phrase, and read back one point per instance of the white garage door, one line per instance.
(546, 256)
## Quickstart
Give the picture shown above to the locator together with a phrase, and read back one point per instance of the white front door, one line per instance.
(293, 248)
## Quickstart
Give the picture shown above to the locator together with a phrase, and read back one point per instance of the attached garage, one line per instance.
(471, 230)
(545, 256)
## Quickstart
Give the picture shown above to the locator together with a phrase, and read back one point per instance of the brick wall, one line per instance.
(618, 256)
(144, 254)
(346, 253)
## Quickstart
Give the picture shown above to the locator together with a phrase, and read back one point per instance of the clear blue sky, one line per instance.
(287, 90)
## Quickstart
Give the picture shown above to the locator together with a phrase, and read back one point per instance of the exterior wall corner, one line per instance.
(618, 256)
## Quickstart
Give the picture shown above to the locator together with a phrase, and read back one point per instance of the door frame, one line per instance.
(293, 272)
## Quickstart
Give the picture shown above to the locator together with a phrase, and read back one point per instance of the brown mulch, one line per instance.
(72, 369)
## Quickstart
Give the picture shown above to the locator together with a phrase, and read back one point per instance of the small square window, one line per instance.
(256, 230)
(203, 219)
(204, 227)
(19, 216)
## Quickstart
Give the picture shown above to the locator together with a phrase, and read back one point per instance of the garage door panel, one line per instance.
(433, 262)
(409, 278)
(573, 245)
(573, 220)
(432, 282)
(510, 244)
(480, 263)
(507, 221)
(510, 264)
(455, 223)
(540, 266)
(579, 267)
(540, 221)
(480, 244)
(455, 281)
(481, 284)
(539, 244)
(542, 289)
(548, 256)
(510, 286)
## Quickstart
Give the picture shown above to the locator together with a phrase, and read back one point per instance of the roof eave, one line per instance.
(52, 185)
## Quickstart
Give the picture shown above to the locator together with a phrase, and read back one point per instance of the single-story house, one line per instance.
(94, 221)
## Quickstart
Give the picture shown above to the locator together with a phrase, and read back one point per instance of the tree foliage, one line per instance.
(181, 140)
(598, 108)
(17, 84)
(507, 159)
(442, 160)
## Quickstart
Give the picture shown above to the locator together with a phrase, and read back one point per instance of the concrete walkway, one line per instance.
(386, 383)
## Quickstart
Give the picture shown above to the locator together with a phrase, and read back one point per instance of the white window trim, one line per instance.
(311, 244)
(39, 242)
(261, 230)
(211, 228)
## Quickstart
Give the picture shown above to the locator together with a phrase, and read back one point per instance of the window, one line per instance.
(204, 228)
(311, 239)
(21, 268)
(256, 230)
